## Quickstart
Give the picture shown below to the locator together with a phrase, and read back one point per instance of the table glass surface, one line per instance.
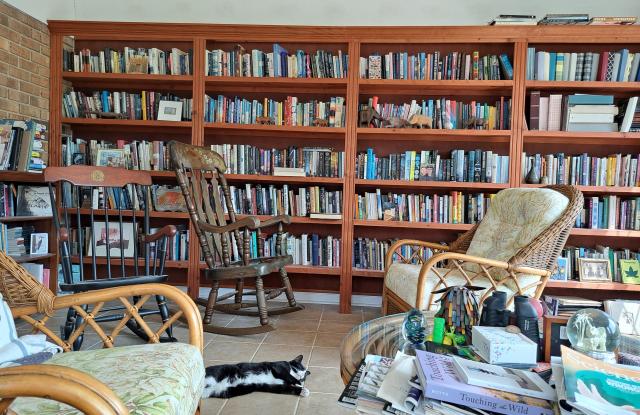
(381, 336)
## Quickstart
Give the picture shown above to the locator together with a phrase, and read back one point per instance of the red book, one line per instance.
(604, 62)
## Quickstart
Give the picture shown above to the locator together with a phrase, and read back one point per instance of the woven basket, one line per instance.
(20, 289)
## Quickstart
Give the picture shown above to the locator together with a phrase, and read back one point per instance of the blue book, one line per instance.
(594, 213)
(552, 66)
(588, 99)
(624, 56)
(315, 250)
(471, 162)
(506, 66)
(407, 165)
(104, 97)
(370, 173)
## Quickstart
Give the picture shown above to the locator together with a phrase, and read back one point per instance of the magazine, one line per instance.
(349, 395)
(504, 379)
(591, 383)
(396, 387)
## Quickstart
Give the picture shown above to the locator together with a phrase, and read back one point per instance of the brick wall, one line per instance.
(24, 65)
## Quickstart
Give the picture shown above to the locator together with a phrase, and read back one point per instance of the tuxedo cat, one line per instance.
(228, 381)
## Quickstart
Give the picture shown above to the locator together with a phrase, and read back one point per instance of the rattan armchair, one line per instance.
(437, 266)
(35, 304)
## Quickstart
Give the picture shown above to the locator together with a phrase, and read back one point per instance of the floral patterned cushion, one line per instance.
(402, 279)
(515, 217)
(150, 379)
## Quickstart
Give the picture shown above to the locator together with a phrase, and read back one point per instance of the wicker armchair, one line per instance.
(103, 381)
(414, 269)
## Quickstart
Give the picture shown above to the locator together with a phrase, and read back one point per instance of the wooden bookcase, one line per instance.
(356, 41)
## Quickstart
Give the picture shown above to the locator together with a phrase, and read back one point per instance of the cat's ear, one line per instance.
(298, 359)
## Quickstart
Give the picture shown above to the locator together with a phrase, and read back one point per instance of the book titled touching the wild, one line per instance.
(441, 382)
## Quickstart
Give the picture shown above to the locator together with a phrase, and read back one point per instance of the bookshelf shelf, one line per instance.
(357, 42)
(418, 185)
(9, 219)
(303, 269)
(115, 260)
(446, 87)
(129, 80)
(129, 213)
(588, 86)
(459, 227)
(611, 286)
(31, 258)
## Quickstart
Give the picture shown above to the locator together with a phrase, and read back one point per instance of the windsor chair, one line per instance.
(225, 244)
(105, 239)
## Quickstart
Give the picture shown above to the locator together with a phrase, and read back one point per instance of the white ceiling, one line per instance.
(318, 12)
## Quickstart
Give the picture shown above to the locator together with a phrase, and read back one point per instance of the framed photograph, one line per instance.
(111, 158)
(170, 111)
(630, 271)
(33, 201)
(110, 239)
(562, 271)
(555, 335)
(169, 199)
(39, 243)
(594, 270)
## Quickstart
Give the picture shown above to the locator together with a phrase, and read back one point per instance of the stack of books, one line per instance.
(14, 240)
(514, 20)
(446, 113)
(130, 60)
(278, 63)
(130, 105)
(315, 201)
(455, 207)
(577, 112)
(314, 161)
(24, 145)
(584, 170)
(177, 246)
(564, 19)
(557, 305)
(135, 155)
(571, 254)
(436, 66)
(609, 66)
(463, 166)
(290, 112)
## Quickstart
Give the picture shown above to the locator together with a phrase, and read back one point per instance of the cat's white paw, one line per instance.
(305, 392)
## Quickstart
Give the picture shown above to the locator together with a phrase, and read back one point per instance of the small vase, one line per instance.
(532, 176)
(544, 180)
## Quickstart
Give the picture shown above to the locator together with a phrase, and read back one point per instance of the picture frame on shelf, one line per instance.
(33, 201)
(110, 239)
(111, 158)
(562, 271)
(594, 270)
(39, 243)
(170, 111)
(555, 335)
(630, 271)
(168, 199)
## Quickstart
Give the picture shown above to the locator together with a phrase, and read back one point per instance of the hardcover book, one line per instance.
(441, 382)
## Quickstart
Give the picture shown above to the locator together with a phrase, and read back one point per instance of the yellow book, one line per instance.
(412, 164)
(265, 107)
(460, 207)
(144, 104)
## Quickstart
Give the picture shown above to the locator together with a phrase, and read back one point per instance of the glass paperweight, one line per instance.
(594, 333)
(414, 330)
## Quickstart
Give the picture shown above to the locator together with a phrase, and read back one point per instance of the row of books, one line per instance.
(272, 200)
(130, 105)
(289, 112)
(454, 207)
(569, 268)
(278, 63)
(178, 246)
(14, 240)
(248, 159)
(578, 112)
(370, 253)
(609, 66)
(436, 66)
(445, 113)
(305, 249)
(463, 166)
(610, 212)
(584, 170)
(129, 60)
(23, 145)
(134, 155)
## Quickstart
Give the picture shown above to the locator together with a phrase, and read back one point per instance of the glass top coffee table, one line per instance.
(381, 336)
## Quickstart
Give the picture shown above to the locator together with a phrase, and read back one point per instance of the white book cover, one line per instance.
(544, 114)
(626, 313)
(594, 66)
(590, 118)
(572, 66)
(555, 112)
(520, 382)
(566, 65)
(594, 109)
(628, 115)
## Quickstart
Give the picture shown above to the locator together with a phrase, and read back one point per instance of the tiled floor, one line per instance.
(315, 332)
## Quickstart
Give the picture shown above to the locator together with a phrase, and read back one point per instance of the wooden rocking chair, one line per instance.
(200, 174)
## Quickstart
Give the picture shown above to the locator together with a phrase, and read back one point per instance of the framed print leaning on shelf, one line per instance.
(110, 239)
(170, 111)
(33, 201)
(110, 158)
(39, 244)
(562, 271)
(594, 270)
(630, 270)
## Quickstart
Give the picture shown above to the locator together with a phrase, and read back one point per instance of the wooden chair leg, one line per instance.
(239, 291)
(288, 291)
(262, 302)
(211, 302)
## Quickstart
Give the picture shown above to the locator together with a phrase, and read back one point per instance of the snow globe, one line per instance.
(594, 333)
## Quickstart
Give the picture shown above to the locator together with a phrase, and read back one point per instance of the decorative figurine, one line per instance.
(594, 333)
(420, 121)
(413, 328)
(366, 116)
(264, 120)
(320, 122)
(474, 123)
(459, 308)
(396, 122)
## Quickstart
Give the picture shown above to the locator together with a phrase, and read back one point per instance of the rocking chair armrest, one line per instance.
(62, 384)
(412, 242)
(250, 222)
(464, 258)
(285, 219)
(63, 234)
(166, 231)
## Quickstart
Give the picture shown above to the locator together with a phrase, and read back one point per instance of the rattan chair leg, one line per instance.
(262, 302)
(288, 291)
(211, 303)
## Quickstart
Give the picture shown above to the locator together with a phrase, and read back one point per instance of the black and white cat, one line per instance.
(227, 381)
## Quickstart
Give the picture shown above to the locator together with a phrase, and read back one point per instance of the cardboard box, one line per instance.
(497, 346)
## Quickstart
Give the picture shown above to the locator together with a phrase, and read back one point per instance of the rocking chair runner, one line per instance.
(126, 254)
(200, 174)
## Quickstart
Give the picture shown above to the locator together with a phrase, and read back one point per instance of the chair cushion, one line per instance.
(514, 219)
(402, 279)
(165, 378)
